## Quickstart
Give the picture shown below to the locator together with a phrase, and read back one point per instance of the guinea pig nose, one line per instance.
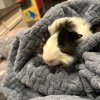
(49, 61)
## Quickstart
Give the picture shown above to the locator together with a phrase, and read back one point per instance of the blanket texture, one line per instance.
(29, 78)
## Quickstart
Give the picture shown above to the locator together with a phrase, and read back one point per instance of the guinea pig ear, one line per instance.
(73, 36)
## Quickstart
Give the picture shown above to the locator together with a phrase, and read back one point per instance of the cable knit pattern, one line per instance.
(29, 78)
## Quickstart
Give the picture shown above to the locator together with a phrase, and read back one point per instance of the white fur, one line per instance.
(51, 51)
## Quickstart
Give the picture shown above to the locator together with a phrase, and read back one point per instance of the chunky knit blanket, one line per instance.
(29, 78)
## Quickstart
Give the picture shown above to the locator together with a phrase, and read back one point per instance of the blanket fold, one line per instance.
(29, 78)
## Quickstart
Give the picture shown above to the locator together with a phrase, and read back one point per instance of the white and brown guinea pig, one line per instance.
(65, 34)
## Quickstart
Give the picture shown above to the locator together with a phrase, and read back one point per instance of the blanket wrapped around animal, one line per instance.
(29, 78)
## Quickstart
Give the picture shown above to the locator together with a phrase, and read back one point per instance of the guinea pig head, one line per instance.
(60, 46)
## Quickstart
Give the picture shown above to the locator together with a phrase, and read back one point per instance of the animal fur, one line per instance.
(66, 33)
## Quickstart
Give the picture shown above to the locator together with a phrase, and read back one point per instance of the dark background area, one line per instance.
(50, 3)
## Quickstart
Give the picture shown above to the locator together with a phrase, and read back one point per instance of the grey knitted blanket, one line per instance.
(28, 78)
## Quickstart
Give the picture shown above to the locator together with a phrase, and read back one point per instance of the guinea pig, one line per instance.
(65, 35)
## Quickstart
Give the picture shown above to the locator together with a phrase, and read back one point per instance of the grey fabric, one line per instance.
(59, 97)
(29, 78)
